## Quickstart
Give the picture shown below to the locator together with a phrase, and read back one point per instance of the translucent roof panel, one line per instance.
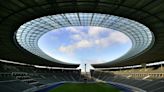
(29, 33)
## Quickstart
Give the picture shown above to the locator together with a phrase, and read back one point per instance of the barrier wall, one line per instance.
(51, 87)
(126, 88)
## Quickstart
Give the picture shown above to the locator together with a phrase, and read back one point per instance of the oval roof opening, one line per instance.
(85, 44)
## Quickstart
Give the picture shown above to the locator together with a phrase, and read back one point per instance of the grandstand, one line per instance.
(149, 79)
(25, 66)
(22, 78)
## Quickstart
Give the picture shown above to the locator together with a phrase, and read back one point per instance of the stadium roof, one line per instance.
(14, 13)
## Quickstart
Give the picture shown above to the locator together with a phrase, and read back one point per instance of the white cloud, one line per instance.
(112, 38)
(92, 38)
(79, 45)
(76, 37)
(73, 29)
(103, 42)
(118, 37)
(67, 49)
(84, 44)
(95, 31)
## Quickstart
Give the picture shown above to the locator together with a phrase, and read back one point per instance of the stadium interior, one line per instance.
(25, 67)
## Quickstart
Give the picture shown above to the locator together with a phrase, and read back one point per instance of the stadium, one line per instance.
(81, 45)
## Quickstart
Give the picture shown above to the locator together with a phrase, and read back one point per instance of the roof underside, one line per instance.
(14, 13)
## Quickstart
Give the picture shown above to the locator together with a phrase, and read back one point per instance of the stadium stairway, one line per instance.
(24, 77)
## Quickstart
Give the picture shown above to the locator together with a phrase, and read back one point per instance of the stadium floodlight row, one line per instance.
(37, 66)
(133, 66)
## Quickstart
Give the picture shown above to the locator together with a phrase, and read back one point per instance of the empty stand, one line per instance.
(17, 78)
(151, 84)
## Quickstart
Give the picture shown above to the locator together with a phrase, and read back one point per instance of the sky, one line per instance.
(85, 45)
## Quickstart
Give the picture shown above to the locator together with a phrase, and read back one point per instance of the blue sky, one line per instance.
(80, 45)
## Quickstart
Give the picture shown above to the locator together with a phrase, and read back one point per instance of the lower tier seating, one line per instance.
(147, 85)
